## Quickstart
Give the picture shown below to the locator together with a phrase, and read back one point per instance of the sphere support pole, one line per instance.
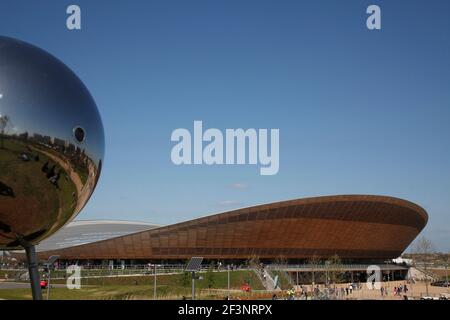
(34, 272)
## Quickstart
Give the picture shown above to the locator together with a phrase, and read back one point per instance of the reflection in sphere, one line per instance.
(79, 134)
(51, 144)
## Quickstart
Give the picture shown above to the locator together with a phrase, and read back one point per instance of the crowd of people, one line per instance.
(403, 288)
(328, 292)
(321, 293)
(397, 291)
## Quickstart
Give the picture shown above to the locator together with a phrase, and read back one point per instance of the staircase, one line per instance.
(419, 273)
(266, 279)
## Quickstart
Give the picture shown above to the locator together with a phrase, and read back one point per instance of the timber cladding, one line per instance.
(351, 226)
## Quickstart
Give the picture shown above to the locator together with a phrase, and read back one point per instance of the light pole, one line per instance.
(49, 264)
(388, 276)
(194, 265)
(193, 285)
(154, 281)
(48, 283)
(446, 273)
(194, 277)
(228, 282)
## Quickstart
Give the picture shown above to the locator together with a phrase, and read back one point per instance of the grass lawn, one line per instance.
(168, 287)
(86, 293)
(33, 194)
(213, 280)
(140, 292)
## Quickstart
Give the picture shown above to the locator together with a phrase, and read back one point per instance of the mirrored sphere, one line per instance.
(51, 144)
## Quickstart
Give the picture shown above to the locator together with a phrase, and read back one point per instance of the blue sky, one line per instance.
(359, 111)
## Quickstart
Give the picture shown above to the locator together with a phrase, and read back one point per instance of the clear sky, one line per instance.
(359, 111)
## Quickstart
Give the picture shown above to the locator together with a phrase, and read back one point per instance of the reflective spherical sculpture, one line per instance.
(51, 144)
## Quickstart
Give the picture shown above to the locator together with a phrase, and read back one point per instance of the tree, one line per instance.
(447, 259)
(313, 262)
(424, 250)
(253, 262)
(282, 262)
(4, 122)
(185, 279)
(335, 269)
(210, 276)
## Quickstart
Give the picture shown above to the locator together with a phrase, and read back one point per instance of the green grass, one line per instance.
(220, 280)
(127, 293)
(86, 293)
(31, 187)
(168, 287)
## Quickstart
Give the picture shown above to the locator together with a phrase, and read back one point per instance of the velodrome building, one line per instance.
(357, 228)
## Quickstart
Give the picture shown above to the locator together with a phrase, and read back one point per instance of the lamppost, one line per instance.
(327, 265)
(228, 282)
(154, 281)
(49, 265)
(446, 272)
(194, 266)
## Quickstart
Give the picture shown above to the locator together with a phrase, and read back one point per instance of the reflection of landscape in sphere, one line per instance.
(51, 144)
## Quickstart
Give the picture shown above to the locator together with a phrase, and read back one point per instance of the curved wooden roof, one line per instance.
(352, 226)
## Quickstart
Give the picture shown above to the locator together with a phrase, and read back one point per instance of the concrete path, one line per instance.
(23, 285)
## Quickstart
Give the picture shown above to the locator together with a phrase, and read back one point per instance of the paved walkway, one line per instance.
(23, 285)
(415, 291)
